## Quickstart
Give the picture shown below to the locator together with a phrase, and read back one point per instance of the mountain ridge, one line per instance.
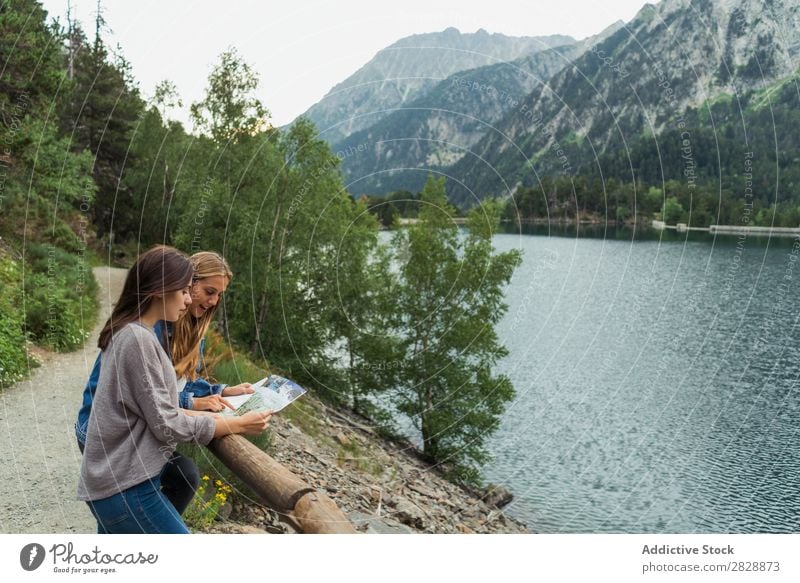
(434, 130)
(671, 62)
(408, 68)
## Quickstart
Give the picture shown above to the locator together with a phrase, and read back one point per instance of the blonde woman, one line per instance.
(185, 338)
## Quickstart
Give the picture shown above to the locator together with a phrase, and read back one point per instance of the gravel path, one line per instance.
(39, 457)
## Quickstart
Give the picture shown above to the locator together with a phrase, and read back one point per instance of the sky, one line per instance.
(302, 48)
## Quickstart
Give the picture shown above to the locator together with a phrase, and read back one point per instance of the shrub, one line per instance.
(60, 298)
(12, 341)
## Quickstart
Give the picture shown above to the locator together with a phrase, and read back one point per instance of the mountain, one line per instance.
(633, 87)
(409, 68)
(436, 129)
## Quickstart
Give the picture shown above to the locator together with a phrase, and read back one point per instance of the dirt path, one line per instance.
(39, 457)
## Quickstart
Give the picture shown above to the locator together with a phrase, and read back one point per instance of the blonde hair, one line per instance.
(189, 331)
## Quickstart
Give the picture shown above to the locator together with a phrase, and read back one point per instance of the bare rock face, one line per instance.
(410, 68)
(409, 513)
(371, 524)
(673, 55)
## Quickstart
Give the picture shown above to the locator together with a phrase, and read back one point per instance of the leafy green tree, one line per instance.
(652, 200)
(165, 98)
(672, 211)
(31, 57)
(13, 359)
(160, 149)
(385, 210)
(366, 316)
(450, 297)
(229, 109)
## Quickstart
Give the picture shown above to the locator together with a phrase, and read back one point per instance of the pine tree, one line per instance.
(101, 114)
(37, 165)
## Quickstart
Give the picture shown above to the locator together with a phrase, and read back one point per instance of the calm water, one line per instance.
(657, 384)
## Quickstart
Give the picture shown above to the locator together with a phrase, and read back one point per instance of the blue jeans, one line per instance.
(141, 509)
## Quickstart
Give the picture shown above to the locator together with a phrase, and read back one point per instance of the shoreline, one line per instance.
(381, 485)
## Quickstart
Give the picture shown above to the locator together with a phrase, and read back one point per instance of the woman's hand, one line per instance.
(251, 423)
(243, 389)
(254, 422)
(211, 403)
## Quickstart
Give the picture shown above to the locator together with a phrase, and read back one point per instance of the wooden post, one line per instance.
(283, 491)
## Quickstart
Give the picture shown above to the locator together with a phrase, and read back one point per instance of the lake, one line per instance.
(657, 383)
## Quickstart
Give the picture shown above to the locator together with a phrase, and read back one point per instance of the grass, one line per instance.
(354, 456)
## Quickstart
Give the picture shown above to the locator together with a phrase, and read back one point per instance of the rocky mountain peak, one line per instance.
(410, 67)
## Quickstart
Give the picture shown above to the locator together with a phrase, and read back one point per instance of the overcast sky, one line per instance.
(302, 48)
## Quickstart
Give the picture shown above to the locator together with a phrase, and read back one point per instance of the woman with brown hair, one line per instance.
(183, 341)
(136, 423)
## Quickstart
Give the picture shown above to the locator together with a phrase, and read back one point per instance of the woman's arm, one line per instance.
(169, 423)
(247, 424)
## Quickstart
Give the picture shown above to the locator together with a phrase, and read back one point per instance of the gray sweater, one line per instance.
(135, 422)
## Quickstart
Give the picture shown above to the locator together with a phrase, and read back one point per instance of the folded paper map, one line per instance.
(272, 393)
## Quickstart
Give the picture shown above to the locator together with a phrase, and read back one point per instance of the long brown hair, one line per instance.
(189, 331)
(157, 271)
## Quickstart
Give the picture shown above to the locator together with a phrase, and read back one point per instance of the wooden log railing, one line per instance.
(281, 490)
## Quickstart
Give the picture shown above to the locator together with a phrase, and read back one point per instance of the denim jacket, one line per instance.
(196, 388)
